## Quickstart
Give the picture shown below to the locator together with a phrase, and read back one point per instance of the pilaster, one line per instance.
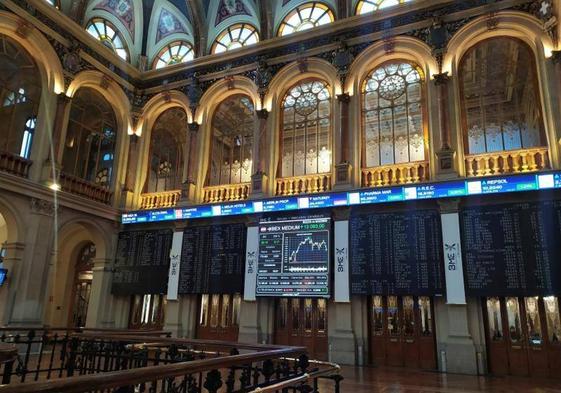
(100, 305)
(188, 188)
(260, 152)
(446, 168)
(343, 168)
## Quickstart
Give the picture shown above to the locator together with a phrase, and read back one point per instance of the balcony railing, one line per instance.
(511, 161)
(308, 184)
(60, 361)
(161, 199)
(77, 186)
(14, 164)
(387, 175)
(226, 193)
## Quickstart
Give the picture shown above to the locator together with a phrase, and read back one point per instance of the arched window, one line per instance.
(392, 115)
(174, 53)
(366, 6)
(306, 129)
(234, 37)
(20, 91)
(54, 3)
(166, 155)
(499, 97)
(109, 36)
(90, 140)
(305, 17)
(232, 141)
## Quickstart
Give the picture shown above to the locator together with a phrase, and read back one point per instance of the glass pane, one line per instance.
(322, 315)
(426, 315)
(295, 314)
(308, 314)
(146, 306)
(225, 315)
(283, 313)
(533, 321)
(236, 309)
(513, 314)
(214, 308)
(553, 319)
(377, 315)
(495, 320)
(408, 316)
(204, 310)
(393, 316)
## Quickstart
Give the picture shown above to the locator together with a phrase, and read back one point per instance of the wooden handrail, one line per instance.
(117, 379)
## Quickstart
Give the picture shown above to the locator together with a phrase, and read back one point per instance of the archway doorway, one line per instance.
(82, 285)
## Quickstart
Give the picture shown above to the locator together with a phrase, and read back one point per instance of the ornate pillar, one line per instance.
(99, 313)
(259, 153)
(28, 279)
(189, 184)
(127, 196)
(343, 166)
(59, 129)
(445, 153)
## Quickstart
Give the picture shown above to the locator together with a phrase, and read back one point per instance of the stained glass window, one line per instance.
(90, 140)
(392, 115)
(306, 129)
(366, 6)
(174, 53)
(109, 36)
(499, 97)
(20, 93)
(234, 37)
(166, 155)
(306, 16)
(232, 141)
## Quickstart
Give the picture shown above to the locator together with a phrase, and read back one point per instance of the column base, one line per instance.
(342, 346)
(343, 179)
(258, 185)
(445, 162)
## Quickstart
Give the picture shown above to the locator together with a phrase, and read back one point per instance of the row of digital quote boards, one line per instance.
(506, 249)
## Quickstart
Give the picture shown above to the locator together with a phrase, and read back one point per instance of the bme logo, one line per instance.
(341, 254)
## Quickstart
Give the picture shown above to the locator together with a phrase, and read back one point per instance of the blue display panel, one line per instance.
(447, 189)
(3, 275)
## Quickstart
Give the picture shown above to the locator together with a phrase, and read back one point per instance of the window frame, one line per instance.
(228, 32)
(186, 57)
(298, 11)
(422, 102)
(104, 37)
(377, 7)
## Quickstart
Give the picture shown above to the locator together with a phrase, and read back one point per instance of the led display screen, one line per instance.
(294, 258)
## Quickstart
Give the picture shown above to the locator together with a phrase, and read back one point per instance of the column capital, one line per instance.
(441, 79)
(262, 114)
(63, 99)
(451, 205)
(344, 98)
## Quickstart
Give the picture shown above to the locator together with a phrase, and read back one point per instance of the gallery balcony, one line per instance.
(226, 193)
(83, 188)
(14, 164)
(307, 184)
(510, 161)
(388, 175)
(161, 199)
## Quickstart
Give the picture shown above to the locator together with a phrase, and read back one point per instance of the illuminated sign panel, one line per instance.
(447, 189)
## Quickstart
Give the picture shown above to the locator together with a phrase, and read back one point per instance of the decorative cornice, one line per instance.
(40, 206)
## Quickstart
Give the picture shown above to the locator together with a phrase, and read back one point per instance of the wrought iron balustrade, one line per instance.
(124, 361)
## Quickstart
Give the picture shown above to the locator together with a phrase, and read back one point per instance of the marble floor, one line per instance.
(399, 380)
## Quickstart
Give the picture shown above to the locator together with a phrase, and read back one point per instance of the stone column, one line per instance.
(556, 60)
(342, 339)
(11, 262)
(456, 325)
(127, 196)
(343, 166)
(28, 280)
(59, 129)
(188, 194)
(99, 308)
(445, 153)
(260, 154)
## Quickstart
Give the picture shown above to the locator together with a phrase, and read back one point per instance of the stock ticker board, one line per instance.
(294, 258)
